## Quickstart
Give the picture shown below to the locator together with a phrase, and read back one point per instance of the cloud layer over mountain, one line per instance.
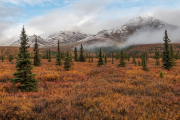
(90, 16)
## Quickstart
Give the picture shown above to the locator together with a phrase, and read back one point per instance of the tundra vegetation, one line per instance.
(64, 88)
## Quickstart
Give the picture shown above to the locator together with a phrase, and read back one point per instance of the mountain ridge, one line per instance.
(111, 37)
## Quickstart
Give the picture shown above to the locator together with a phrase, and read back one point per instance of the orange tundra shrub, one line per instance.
(88, 92)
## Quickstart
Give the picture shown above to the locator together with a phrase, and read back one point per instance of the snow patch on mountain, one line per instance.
(65, 37)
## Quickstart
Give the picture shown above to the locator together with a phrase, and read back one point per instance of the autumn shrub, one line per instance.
(48, 76)
(4, 77)
(158, 89)
(125, 90)
(16, 108)
(88, 92)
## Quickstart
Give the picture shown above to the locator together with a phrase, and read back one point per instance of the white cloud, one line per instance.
(22, 2)
(90, 16)
(171, 16)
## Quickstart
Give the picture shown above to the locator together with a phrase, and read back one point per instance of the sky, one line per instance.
(44, 17)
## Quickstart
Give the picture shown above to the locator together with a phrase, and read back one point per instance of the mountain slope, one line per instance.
(65, 37)
(120, 35)
(104, 38)
(31, 42)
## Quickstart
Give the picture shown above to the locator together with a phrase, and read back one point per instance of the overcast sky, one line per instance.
(44, 17)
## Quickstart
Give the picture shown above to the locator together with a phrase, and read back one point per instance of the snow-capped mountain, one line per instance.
(103, 38)
(65, 37)
(120, 35)
(41, 41)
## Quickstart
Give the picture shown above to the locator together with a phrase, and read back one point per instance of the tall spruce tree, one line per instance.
(92, 58)
(100, 61)
(75, 54)
(122, 58)
(49, 56)
(112, 58)
(146, 56)
(58, 56)
(37, 60)
(81, 56)
(144, 62)
(2, 58)
(167, 59)
(157, 57)
(67, 61)
(89, 59)
(105, 59)
(128, 57)
(10, 58)
(139, 63)
(134, 59)
(23, 75)
(63, 55)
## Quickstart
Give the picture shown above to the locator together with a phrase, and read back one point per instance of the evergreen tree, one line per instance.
(137, 56)
(117, 56)
(146, 56)
(144, 62)
(67, 62)
(2, 58)
(125, 55)
(112, 58)
(167, 59)
(37, 60)
(49, 56)
(122, 58)
(81, 56)
(87, 56)
(63, 55)
(100, 61)
(139, 63)
(134, 59)
(44, 56)
(75, 55)
(176, 56)
(10, 58)
(157, 57)
(92, 58)
(89, 59)
(135, 63)
(24, 76)
(128, 57)
(58, 56)
(105, 59)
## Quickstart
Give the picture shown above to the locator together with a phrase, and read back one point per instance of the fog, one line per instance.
(156, 36)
